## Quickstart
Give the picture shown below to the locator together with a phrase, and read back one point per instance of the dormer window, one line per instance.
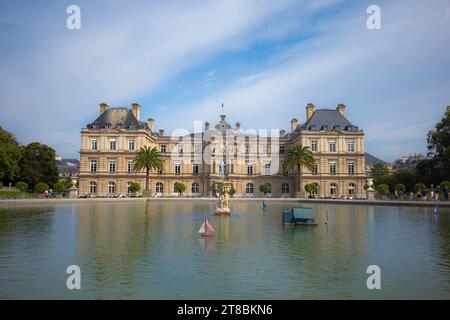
(337, 128)
(132, 126)
(325, 128)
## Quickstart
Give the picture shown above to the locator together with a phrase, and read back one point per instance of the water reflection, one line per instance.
(151, 249)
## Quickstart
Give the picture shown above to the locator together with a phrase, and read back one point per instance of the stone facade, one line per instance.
(246, 159)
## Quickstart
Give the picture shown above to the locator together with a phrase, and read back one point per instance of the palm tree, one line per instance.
(296, 157)
(148, 158)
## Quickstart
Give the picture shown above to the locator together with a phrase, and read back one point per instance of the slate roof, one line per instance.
(371, 160)
(326, 120)
(120, 118)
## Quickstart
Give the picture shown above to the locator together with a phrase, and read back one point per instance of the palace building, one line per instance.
(245, 158)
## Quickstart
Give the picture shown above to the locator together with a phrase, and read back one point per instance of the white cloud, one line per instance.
(389, 75)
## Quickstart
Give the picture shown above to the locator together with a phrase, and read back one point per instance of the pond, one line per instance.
(151, 250)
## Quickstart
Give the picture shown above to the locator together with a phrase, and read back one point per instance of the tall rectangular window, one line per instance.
(250, 169)
(267, 169)
(351, 167)
(332, 145)
(282, 149)
(94, 144)
(315, 168)
(197, 148)
(130, 166)
(195, 168)
(247, 149)
(333, 168)
(162, 148)
(112, 166)
(112, 144)
(177, 168)
(350, 145)
(313, 145)
(131, 144)
(93, 165)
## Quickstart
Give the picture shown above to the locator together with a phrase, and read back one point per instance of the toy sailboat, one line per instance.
(206, 229)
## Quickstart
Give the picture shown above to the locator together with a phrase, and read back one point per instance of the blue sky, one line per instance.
(264, 59)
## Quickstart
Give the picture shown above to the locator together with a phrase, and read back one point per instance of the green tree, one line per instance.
(419, 187)
(297, 156)
(265, 188)
(41, 187)
(382, 188)
(445, 184)
(311, 188)
(60, 187)
(38, 164)
(439, 141)
(22, 186)
(380, 174)
(232, 191)
(179, 187)
(407, 177)
(400, 187)
(148, 158)
(10, 155)
(217, 187)
(134, 187)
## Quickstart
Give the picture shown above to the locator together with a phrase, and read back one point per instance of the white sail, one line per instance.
(202, 228)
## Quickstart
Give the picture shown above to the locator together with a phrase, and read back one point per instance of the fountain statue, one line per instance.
(222, 207)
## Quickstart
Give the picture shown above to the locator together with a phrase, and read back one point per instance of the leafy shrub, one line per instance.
(382, 188)
(134, 187)
(419, 186)
(41, 187)
(22, 186)
(445, 184)
(400, 187)
(180, 187)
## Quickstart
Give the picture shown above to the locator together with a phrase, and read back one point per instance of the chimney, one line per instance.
(282, 133)
(341, 108)
(238, 126)
(206, 126)
(136, 109)
(309, 111)
(161, 132)
(294, 124)
(103, 107)
(150, 122)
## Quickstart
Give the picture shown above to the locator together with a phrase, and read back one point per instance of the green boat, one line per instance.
(299, 216)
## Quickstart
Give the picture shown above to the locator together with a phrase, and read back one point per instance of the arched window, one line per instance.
(285, 188)
(195, 188)
(111, 187)
(333, 189)
(159, 187)
(351, 189)
(175, 189)
(93, 187)
(249, 189)
(269, 186)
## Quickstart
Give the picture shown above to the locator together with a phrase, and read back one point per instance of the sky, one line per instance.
(265, 60)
